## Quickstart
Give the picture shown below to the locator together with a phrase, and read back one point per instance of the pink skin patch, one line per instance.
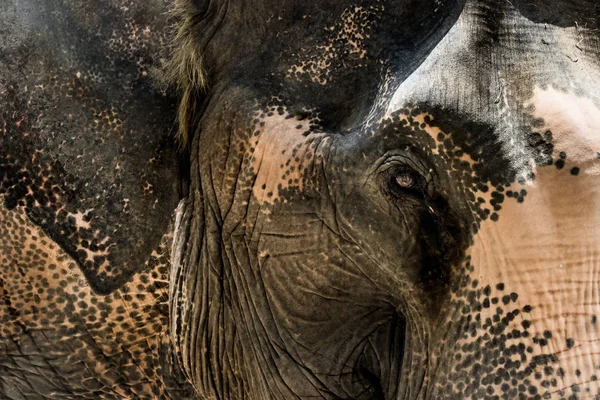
(282, 150)
(547, 248)
(575, 125)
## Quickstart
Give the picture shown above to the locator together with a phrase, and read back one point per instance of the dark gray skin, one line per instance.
(378, 200)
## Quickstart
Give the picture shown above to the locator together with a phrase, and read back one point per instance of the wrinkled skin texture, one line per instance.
(380, 200)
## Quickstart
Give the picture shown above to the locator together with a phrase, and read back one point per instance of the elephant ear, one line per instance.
(85, 129)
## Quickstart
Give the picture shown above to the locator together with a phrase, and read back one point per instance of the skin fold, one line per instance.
(369, 200)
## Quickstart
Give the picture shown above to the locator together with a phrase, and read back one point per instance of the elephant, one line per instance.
(294, 199)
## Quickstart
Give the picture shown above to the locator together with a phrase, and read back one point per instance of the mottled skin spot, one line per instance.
(344, 46)
(575, 125)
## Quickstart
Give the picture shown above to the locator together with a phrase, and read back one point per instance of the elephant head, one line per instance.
(389, 199)
(377, 199)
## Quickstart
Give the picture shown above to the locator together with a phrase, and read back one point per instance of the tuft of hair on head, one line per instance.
(184, 69)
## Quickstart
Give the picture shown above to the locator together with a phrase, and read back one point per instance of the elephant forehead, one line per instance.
(492, 60)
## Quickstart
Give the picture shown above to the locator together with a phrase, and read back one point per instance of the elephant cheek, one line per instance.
(525, 310)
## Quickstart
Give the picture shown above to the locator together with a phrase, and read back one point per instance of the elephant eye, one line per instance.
(406, 182)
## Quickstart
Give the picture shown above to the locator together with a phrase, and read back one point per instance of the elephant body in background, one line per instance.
(88, 178)
(369, 200)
